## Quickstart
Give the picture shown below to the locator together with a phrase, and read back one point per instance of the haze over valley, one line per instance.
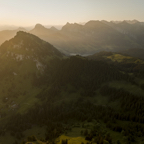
(89, 38)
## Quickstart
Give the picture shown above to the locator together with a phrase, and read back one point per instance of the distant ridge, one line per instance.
(94, 36)
(90, 37)
(53, 28)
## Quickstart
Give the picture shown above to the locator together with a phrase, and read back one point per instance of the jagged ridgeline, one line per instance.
(93, 36)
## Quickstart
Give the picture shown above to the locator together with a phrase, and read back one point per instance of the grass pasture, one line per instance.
(118, 57)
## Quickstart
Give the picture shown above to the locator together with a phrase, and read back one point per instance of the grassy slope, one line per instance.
(120, 58)
(71, 139)
(75, 136)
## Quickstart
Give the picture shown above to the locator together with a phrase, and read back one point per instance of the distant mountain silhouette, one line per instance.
(41, 30)
(71, 27)
(53, 28)
(93, 37)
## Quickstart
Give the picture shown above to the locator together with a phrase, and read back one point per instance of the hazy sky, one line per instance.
(57, 12)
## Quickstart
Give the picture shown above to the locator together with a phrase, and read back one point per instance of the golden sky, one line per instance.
(58, 12)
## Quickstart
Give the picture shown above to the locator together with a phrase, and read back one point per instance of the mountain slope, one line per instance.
(21, 60)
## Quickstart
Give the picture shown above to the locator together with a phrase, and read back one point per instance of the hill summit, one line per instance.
(27, 44)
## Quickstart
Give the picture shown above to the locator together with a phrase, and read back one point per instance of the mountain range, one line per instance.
(94, 36)
(91, 37)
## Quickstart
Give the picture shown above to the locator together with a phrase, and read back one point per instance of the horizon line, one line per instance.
(81, 23)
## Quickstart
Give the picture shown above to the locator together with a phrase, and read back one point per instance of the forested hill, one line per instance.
(43, 93)
(79, 90)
